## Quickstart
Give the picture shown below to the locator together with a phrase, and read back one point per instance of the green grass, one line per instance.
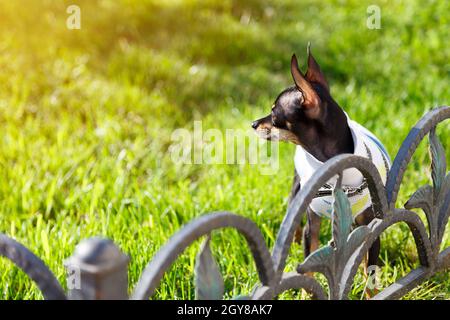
(86, 118)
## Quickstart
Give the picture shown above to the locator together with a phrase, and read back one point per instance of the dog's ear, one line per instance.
(314, 74)
(311, 99)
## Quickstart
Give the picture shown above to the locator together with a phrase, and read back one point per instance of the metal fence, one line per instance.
(98, 269)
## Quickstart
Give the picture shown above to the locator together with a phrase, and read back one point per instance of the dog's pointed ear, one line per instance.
(314, 74)
(311, 99)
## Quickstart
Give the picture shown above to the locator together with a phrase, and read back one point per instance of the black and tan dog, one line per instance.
(308, 116)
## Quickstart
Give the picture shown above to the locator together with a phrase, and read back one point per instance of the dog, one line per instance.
(307, 115)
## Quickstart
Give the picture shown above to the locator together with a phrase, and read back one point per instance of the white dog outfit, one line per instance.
(353, 182)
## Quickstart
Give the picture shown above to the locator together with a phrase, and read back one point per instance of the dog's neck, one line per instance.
(332, 136)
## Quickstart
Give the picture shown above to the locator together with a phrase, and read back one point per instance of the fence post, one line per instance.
(97, 270)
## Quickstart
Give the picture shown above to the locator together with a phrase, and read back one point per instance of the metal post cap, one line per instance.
(97, 255)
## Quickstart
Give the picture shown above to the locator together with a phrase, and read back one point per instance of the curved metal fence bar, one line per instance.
(262, 293)
(33, 267)
(413, 279)
(332, 167)
(409, 146)
(291, 280)
(377, 227)
(405, 284)
(164, 258)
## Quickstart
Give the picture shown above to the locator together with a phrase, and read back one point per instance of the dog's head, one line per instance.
(302, 114)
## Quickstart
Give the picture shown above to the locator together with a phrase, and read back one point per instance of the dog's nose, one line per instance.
(255, 124)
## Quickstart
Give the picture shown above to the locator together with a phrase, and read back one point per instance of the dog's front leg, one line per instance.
(294, 190)
(372, 257)
(311, 233)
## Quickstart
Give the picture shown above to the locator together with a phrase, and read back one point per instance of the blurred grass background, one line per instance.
(86, 118)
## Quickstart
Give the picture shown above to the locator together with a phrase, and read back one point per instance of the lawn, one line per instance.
(87, 116)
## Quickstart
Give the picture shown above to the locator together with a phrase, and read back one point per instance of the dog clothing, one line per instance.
(353, 183)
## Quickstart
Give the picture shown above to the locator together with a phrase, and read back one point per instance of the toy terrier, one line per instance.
(307, 115)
